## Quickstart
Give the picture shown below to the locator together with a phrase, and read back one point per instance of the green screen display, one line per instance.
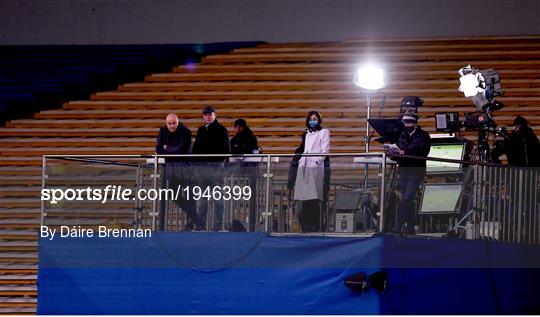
(440, 198)
(445, 151)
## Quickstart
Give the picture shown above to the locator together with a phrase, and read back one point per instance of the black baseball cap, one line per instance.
(208, 109)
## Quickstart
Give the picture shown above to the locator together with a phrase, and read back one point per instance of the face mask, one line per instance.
(313, 123)
(409, 129)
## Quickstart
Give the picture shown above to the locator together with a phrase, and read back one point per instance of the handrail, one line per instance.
(147, 156)
(211, 155)
(76, 159)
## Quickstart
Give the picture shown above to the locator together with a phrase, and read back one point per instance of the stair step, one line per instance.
(18, 268)
(20, 191)
(18, 290)
(17, 310)
(25, 235)
(18, 246)
(18, 170)
(21, 214)
(13, 243)
(21, 300)
(18, 279)
(20, 203)
(18, 255)
(21, 161)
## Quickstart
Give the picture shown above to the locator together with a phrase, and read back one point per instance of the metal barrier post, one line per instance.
(474, 227)
(137, 215)
(154, 201)
(382, 190)
(267, 212)
(515, 205)
(44, 176)
(536, 227)
(530, 207)
(536, 230)
(519, 209)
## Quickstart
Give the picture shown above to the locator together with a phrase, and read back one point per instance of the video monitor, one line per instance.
(445, 151)
(347, 200)
(447, 122)
(440, 198)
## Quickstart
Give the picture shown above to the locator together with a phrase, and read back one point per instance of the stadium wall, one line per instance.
(188, 21)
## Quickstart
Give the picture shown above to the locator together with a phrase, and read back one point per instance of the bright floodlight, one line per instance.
(471, 81)
(479, 85)
(369, 77)
(469, 85)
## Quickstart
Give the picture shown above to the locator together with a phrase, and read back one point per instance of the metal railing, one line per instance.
(506, 206)
(360, 195)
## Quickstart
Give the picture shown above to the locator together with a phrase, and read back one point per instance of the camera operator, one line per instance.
(415, 142)
(521, 146)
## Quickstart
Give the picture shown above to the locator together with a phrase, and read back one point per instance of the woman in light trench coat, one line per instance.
(309, 191)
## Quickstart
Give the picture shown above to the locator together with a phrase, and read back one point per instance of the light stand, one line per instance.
(367, 138)
(370, 79)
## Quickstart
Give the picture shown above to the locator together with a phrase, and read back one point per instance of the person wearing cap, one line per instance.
(521, 146)
(413, 141)
(212, 137)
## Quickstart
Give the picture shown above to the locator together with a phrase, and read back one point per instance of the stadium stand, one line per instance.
(272, 86)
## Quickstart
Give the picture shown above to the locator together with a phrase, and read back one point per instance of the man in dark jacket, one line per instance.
(174, 138)
(212, 137)
(521, 146)
(244, 142)
(415, 142)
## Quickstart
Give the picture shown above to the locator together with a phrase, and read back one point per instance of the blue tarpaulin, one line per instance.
(253, 273)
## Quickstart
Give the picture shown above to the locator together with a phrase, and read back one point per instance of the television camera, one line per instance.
(481, 86)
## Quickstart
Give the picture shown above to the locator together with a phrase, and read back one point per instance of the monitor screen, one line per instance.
(347, 200)
(447, 122)
(440, 198)
(440, 121)
(445, 151)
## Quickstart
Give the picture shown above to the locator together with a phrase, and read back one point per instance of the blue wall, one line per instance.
(244, 273)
